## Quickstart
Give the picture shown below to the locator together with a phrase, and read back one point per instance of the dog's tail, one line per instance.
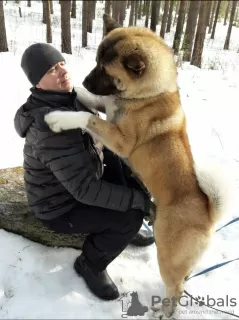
(217, 183)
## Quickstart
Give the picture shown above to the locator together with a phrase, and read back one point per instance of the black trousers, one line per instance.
(109, 231)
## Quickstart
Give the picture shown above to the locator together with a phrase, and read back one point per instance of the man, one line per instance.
(72, 185)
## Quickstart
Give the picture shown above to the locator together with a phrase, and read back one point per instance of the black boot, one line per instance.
(99, 282)
(143, 239)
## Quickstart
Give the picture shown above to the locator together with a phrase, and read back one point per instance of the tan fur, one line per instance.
(151, 134)
(149, 130)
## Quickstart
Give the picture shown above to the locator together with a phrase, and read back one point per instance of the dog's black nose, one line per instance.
(86, 83)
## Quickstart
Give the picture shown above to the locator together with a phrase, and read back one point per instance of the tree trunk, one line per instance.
(136, 12)
(17, 217)
(215, 19)
(165, 17)
(154, 21)
(132, 10)
(190, 30)
(229, 30)
(66, 27)
(122, 12)
(90, 15)
(108, 7)
(116, 6)
(212, 16)
(94, 8)
(209, 13)
(147, 8)
(140, 9)
(200, 35)
(73, 9)
(3, 34)
(29, 3)
(48, 22)
(51, 7)
(84, 22)
(176, 12)
(158, 11)
(144, 7)
(179, 28)
(170, 15)
(226, 13)
(44, 11)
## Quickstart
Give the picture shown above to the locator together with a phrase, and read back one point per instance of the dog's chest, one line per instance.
(113, 112)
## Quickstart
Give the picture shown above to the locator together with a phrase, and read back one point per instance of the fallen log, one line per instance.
(17, 217)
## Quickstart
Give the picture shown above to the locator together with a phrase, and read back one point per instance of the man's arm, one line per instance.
(72, 165)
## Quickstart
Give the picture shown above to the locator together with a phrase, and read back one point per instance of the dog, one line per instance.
(136, 79)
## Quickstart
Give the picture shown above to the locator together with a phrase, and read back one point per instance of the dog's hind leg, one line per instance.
(177, 254)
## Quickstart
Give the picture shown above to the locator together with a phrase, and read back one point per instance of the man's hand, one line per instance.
(151, 215)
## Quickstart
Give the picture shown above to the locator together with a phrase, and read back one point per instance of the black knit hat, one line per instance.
(38, 59)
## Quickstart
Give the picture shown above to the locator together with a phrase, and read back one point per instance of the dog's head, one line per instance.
(131, 63)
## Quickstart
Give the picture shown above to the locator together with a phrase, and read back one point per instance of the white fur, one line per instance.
(217, 182)
(66, 120)
(90, 100)
(94, 102)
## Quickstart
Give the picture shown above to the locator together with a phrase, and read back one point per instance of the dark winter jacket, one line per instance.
(61, 169)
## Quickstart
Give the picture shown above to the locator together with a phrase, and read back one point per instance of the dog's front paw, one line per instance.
(67, 120)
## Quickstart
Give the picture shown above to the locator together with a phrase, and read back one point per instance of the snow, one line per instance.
(38, 282)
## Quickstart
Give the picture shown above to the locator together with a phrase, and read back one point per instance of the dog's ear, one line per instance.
(109, 23)
(134, 62)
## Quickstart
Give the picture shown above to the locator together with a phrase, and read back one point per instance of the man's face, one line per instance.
(56, 79)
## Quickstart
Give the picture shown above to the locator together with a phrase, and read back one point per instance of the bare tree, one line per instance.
(90, 18)
(3, 34)
(44, 11)
(140, 9)
(200, 34)
(122, 11)
(190, 30)
(212, 14)
(132, 10)
(73, 9)
(84, 22)
(179, 28)
(226, 13)
(147, 10)
(209, 13)
(165, 17)
(176, 12)
(154, 21)
(108, 7)
(170, 15)
(48, 22)
(51, 6)
(215, 19)
(66, 26)
(229, 30)
(158, 11)
(136, 11)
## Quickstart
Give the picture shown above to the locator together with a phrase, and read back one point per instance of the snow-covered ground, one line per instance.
(37, 282)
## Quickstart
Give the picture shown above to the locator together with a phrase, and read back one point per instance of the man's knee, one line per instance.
(135, 219)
